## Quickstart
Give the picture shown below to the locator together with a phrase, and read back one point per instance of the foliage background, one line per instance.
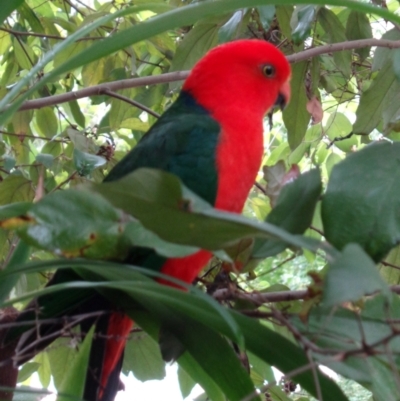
(58, 48)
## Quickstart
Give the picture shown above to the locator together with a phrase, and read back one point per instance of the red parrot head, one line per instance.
(246, 74)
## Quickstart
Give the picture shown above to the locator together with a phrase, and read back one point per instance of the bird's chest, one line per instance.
(239, 155)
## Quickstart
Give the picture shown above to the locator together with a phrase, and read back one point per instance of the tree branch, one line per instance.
(181, 75)
(279, 296)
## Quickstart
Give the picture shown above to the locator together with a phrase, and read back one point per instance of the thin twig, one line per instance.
(132, 102)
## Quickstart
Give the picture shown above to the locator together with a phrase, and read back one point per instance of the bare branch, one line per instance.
(181, 75)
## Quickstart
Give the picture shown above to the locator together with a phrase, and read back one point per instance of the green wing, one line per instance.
(183, 142)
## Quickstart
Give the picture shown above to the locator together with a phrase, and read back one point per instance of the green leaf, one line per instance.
(7, 7)
(293, 212)
(45, 159)
(43, 369)
(179, 216)
(305, 18)
(197, 42)
(336, 33)
(358, 27)
(85, 163)
(75, 377)
(284, 15)
(396, 63)
(351, 276)
(27, 370)
(266, 15)
(142, 357)
(383, 91)
(31, 17)
(15, 188)
(75, 223)
(338, 126)
(77, 113)
(47, 122)
(14, 210)
(231, 28)
(19, 257)
(295, 115)
(235, 384)
(361, 203)
(383, 54)
(62, 355)
(186, 382)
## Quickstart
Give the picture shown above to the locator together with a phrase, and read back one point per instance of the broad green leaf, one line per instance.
(351, 276)
(31, 17)
(27, 370)
(284, 15)
(15, 188)
(62, 354)
(195, 224)
(305, 18)
(336, 33)
(19, 257)
(338, 126)
(21, 122)
(45, 159)
(383, 91)
(358, 27)
(7, 7)
(77, 113)
(362, 200)
(17, 209)
(121, 111)
(231, 28)
(142, 357)
(295, 115)
(390, 274)
(43, 369)
(266, 15)
(293, 212)
(396, 63)
(75, 223)
(24, 54)
(383, 54)
(236, 384)
(53, 148)
(75, 377)
(85, 163)
(47, 122)
(81, 141)
(186, 382)
(197, 42)
(9, 163)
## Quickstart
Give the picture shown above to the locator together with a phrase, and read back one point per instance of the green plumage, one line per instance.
(183, 142)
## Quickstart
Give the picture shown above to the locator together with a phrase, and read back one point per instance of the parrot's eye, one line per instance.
(268, 70)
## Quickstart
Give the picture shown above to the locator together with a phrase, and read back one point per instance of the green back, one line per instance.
(183, 142)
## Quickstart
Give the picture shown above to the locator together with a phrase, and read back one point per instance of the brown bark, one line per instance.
(8, 371)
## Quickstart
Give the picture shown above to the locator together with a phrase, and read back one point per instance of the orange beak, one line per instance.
(283, 96)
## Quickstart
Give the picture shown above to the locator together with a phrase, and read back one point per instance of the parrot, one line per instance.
(211, 137)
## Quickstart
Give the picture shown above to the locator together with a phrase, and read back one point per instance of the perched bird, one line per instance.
(212, 139)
